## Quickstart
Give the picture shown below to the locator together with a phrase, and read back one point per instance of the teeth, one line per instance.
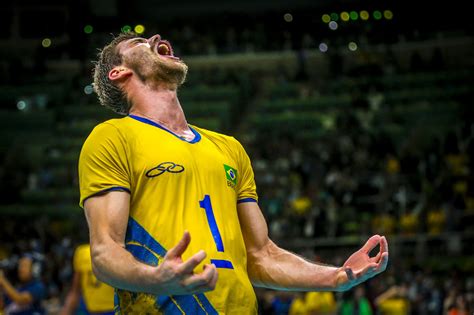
(163, 49)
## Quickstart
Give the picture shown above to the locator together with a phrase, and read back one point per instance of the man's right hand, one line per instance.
(108, 217)
(177, 277)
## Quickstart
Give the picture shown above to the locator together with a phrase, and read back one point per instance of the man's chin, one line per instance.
(161, 70)
(175, 78)
(175, 74)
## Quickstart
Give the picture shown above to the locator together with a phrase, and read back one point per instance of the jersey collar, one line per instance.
(197, 135)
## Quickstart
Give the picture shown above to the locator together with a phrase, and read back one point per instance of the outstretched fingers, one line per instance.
(214, 279)
(202, 282)
(180, 248)
(193, 261)
(177, 276)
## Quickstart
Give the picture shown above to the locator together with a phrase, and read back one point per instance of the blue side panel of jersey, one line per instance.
(137, 234)
(142, 253)
(145, 248)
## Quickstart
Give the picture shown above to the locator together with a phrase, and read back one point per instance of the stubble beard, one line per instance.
(153, 69)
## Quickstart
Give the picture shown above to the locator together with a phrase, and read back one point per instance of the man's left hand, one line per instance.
(361, 267)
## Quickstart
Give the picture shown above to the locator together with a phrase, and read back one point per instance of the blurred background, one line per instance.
(357, 116)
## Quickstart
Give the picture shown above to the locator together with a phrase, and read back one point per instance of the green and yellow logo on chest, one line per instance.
(231, 175)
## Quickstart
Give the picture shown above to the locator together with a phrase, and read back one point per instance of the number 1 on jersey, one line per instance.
(207, 206)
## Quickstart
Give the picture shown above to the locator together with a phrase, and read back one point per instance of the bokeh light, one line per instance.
(334, 17)
(333, 25)
(326, 18)
(377, 15)
(46, 42)
(345, 16)
(288, 17)
(88, 89)
(88, 29)
(21, 105)
(139, 29)
(364, 15)
(354, 15)
(352, 46)
(323, 47)
(126, 28)
(388, 14)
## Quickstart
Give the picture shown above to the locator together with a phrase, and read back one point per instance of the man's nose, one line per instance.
(154, 39)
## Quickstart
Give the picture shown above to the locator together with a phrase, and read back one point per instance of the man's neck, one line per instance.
(161, 105)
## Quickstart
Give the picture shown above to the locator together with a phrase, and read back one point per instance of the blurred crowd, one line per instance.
(353, 182)
(50, 243)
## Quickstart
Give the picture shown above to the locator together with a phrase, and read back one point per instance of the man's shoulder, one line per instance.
(106, 134)
(111, 127)
(114, 123)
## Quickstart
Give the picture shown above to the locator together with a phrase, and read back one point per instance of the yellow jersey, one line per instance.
(298, 307)
(320, 302)
(98, 296)
(176, 185)
(394, 306)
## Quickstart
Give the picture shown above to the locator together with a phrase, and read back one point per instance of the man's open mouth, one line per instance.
(164, 49)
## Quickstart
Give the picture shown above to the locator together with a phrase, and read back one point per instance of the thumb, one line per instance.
(180, 248)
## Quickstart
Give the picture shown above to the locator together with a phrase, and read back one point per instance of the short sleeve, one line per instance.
(103, 163)
(246, 187)
(81, 253)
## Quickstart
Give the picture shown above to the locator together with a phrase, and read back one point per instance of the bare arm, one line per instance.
(21, 298)
(273, 267)
(73, 296)
(107, 216)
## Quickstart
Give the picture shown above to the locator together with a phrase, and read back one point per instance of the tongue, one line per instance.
(163, 49)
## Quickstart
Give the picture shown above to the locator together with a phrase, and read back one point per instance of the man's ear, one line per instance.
(119, 73)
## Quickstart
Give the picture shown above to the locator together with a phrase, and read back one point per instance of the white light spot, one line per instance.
(21, 105)
(323, 47)
(88, 89)
(333, 25)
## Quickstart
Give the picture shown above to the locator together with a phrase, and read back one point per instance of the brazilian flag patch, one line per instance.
(231, 175)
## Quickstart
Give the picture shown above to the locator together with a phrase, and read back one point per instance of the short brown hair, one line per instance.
(110, 95)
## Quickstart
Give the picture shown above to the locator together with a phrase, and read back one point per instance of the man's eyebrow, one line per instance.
(135, 40)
